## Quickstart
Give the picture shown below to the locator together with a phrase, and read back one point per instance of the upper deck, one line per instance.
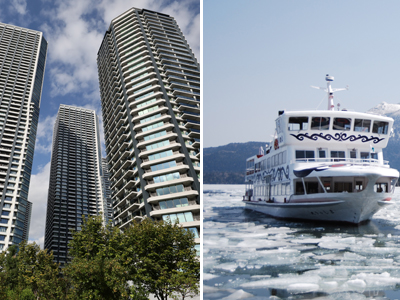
(327, 128)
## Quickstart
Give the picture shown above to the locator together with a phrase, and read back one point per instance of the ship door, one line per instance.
(322, 154)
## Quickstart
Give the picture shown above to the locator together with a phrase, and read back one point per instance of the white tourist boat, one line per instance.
(324, 165)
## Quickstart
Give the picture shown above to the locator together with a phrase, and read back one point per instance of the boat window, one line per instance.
(284, 157)
(341, 123)
(312, 187)
(381, 187)
(299, 188)
(305, 155)
(250, 167)
(320, 123)
(380, 127)
(268, 163)
(264, 165)
(322, 153)
(393, 182)
(327, 185)
(281, 158)
(362, 125)
(341, 187)
(364, 155)
(258, 167)
(374, 155)
(359, 186)
(337, 155)
(353, 154)
(298, 123)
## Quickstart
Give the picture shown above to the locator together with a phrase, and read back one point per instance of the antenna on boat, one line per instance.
(330, 91)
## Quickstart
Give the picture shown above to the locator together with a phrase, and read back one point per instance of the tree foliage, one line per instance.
(98, 266)
(27, 271)
(156, 258)
(166, 260)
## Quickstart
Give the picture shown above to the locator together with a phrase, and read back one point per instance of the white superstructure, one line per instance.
(323, 165)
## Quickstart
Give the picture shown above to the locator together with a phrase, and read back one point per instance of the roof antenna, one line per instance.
(330, 91)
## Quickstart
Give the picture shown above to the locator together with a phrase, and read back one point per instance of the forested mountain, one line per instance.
(226, 164)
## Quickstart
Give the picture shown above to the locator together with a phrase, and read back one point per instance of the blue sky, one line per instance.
(263, 56)
(74, 30)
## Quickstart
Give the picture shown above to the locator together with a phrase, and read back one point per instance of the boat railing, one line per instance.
(352, 161)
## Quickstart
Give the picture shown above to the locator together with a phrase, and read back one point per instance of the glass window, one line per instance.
(181, 217)
(304, 155)
(320, 123)
(380, 127)
(364, 155)
(341, 124)
(298, 123)
(5, 213)
(362, 125)
(189, 216)
(194, 231)
(338, 155)
(3, 221)
(374, 155)
(353, 154)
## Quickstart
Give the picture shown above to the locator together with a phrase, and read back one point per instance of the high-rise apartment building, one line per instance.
(150, 94)
(75, 187)
(22, 62)
(106, 190)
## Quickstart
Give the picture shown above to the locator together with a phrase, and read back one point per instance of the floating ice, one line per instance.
(248, 253)
(297, 288)
(240, 294)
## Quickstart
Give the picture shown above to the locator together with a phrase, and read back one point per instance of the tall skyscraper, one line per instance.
(75, 187)
(106, 190)
(150, 94)
(22, 62)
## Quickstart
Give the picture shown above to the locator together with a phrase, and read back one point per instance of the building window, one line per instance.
(182, 202)
(170, 190)
(181, 217)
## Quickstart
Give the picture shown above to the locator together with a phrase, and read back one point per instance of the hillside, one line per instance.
(391, 153)
(226, 164)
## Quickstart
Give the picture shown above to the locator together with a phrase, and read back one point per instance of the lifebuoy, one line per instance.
(276, 144)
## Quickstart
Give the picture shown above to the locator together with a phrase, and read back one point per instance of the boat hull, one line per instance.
(349, 208)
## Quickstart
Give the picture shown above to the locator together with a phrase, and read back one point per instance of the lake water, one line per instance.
(248, 255)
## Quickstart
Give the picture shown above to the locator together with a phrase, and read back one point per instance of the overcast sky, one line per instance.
(74, 30)
(263, 56)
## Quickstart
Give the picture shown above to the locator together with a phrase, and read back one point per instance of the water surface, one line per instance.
(248, 255)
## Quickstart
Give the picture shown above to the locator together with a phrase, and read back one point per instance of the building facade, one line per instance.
(22, 63)
(150, 94)
(75, 187)
(106, 190)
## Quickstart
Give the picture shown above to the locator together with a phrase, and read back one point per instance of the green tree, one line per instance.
(27, 271)
(98, 266)
(166, 262)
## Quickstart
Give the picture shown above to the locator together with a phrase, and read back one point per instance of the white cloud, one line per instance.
(77, 29)
(38, 196)
(44, 134)
(19, 6)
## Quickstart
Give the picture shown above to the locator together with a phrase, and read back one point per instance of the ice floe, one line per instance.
(251, 256)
